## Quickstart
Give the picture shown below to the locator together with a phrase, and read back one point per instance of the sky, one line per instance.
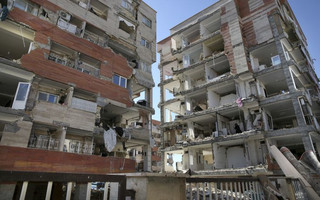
(172, 12)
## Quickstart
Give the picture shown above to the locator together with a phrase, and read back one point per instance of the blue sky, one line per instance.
(172, 12)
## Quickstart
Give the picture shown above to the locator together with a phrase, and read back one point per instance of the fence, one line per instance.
(42, 185)
(224, 188)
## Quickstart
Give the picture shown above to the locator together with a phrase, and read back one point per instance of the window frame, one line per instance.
(146, 43)
(146, 21)
(275, 60)
(120, 79)
(47, 97)
(127, 5)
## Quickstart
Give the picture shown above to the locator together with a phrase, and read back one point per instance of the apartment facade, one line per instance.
(74, 76)
(235, 79)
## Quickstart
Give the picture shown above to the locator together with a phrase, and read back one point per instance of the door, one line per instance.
(21, 96)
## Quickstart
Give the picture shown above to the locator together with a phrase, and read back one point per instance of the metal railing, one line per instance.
(224, 188)
(48, 185)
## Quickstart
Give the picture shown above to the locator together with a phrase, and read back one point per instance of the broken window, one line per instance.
(70, 23)
(146, 21)
(62, 55)
(99, 9)
(127, 4)
(15, 40)
(81, 3)
(26, 6)
(265, 56)
(95, 35)
(127, 27)
(119, 80)
(88, 65)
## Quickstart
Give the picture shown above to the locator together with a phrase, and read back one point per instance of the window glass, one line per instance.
(146, 21)
(123, 82)
(22, 92)
(276, 60)
(20, 4)
(52, 98)
(148, 45)
(143, 42)
(116, 79)
(42, 96)
(126, 5)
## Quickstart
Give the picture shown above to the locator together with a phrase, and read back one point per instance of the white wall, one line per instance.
(219, 156)
(213, 99)
(236, 157)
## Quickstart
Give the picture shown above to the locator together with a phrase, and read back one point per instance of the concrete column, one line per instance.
(265, 121)
(106, 191)
(247, 118)
(114, 188)
(68, 100)
(188, 105)
(185, 160)
(81, 191)
(289, 78)
(69, 190)
(191, 130)
(63, 133)
(24, 190)
(88, 192)
(147, 158)
(49, 190)
(307, 142)
(299, 114)
(7, 191)
(148, 96)
(187, 83)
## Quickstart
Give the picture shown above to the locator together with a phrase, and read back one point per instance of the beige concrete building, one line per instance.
(75, 87)
(237, 78)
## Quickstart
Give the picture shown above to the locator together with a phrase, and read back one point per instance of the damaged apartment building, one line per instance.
(235, 79)
(75, 85)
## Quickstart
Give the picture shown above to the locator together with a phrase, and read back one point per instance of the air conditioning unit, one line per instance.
(64, 15)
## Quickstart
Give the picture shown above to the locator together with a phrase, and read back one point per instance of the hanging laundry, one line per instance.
(239, 102)
(110, 139)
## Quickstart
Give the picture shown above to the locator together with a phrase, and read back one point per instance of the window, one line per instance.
(43, 96)
(145, 43)
(146, 21)
(119, 80)
(26, 6)
(145, 67)
(83, 70)
(276, 60)
(127, 5)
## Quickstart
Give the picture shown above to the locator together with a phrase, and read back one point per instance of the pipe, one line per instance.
(310, 159)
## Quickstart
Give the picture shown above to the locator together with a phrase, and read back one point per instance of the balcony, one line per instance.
(96, 39)
(70, 24)
(23, 159)
(76, 118)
